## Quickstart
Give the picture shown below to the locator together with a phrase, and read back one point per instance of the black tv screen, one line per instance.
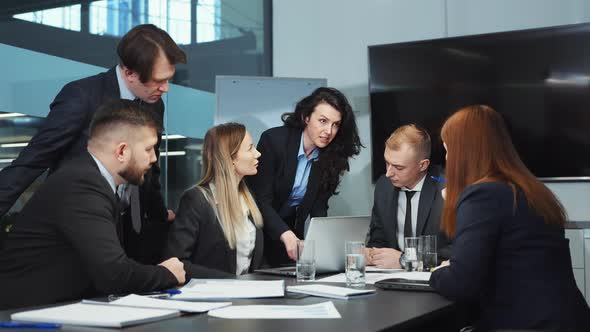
(538, 79)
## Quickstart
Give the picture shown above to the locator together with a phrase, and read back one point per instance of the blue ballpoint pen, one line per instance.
(437, 179)
(19, 325)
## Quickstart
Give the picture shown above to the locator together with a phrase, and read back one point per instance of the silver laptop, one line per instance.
(329, 234)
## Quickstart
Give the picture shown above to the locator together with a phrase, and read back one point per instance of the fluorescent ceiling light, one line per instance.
(13, 145)
(173, 136)
(10, 115)
(173, 153)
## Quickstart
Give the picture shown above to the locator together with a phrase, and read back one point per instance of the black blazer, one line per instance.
(197, 239)
(64, 135)
(273, 185)
(64, 244)
(383, 228)
(516, 267)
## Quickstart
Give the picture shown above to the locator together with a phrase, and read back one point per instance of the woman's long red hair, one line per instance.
(479, 149)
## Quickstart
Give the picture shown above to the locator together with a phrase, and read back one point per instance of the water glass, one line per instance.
(429, 256)
(305, 266)
(413, 254)
(355, 263)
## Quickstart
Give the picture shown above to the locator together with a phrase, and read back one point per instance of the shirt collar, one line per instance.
(418, 186)
(124, 91)
(105, 173)
(314, 154)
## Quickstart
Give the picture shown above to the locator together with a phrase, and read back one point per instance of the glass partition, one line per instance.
(45, 46)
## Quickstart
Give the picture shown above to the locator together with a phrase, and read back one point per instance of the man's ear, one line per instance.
(122, 152)
(424, 163)
(130, 75)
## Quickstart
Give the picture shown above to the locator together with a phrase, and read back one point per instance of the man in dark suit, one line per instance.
(147, 63)
(408, 200)
(66, 243)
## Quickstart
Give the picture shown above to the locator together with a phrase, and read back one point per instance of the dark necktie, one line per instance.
(408, 221)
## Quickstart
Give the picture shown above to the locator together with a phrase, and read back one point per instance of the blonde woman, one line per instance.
(217, 231)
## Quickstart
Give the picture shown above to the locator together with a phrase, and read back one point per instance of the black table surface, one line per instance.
(385, 310)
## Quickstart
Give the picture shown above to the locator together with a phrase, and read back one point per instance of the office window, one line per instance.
(63, 17)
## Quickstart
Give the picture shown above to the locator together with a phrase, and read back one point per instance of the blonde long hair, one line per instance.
(221, 145)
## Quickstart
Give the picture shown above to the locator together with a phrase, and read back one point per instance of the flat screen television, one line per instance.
(538, 79)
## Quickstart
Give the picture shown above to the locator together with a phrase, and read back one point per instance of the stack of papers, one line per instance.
(324, 310)
(372, 278)
(100, 315)
(199, 289)
(147, 302)
(342, 293)
(129, 310)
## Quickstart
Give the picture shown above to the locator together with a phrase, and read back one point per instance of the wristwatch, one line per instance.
(403, 260)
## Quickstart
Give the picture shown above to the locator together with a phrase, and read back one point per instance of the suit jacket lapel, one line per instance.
(258, 248)
(426, 198)
(392, 201)
(290, 167)
(111, 88)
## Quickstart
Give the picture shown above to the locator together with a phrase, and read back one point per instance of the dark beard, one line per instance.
(132, 174)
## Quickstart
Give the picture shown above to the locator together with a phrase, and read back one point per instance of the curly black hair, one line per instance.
(333, 159)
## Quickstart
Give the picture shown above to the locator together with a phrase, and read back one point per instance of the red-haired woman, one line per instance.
(510, 255)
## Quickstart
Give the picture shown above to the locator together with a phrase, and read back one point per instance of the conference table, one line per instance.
(386, 310)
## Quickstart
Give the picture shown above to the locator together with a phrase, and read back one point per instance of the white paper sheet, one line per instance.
(335, 292)
(373, 269)
(102, 315)
(146, 302)
(198, 289)
(325, 310)
(372, 278)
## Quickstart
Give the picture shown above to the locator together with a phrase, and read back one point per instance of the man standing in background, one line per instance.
(147, 59)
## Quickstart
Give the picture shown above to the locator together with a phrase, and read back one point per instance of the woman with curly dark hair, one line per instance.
(300, 168)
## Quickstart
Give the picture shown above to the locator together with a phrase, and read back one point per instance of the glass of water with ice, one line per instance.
(355, 263)
(413, 253)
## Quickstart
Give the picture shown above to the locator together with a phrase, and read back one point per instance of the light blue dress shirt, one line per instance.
(125, 93)
(302, 174)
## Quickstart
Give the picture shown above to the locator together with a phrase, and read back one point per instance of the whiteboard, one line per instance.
(259, 102)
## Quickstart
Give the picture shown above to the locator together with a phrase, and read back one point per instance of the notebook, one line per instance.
(99, 315)
(147, 302)
(414, 281)
(335, 292)
(329, 234)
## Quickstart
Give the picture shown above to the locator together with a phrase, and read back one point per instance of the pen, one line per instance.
(18, 325)
(157, 294)
(437, 179)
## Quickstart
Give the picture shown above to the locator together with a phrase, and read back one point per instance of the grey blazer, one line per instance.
(197, 239)
(383, 228)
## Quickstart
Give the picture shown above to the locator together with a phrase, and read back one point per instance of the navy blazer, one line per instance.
(64, 135)
(273, 184)
(383, 229)
(64, 245)
(197, 239)
(515, 266)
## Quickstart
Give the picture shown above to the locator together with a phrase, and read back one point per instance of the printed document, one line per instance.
(325, 310)
(199, 289)
(147, 302)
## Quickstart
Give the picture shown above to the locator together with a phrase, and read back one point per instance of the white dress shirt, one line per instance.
(245, 233)
(401, 211)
